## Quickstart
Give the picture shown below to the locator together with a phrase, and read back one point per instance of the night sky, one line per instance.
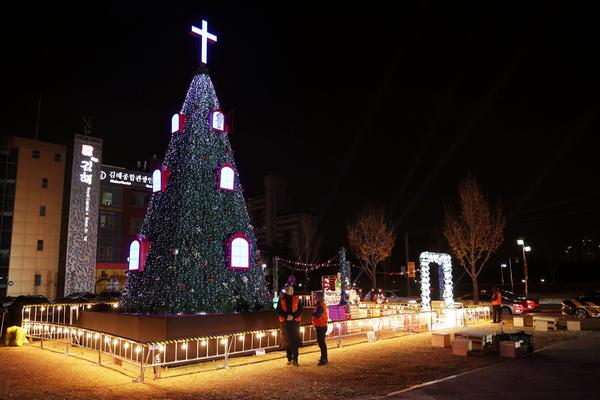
(354, 105)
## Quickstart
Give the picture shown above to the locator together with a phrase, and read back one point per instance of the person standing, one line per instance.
(319, 320)
(289, 312)
(497, 306)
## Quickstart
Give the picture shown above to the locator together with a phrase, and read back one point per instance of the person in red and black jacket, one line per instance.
(319, 321)
(289, 311)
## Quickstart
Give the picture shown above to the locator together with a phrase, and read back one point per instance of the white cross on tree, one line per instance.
(206, 37)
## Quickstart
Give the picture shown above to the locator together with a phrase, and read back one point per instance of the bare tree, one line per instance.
(308, 246)
(474, 232)
(371, 239)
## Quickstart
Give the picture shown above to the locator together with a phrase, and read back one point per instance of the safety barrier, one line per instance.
(52, 322)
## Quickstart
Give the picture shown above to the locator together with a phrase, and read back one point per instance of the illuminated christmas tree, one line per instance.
(196, 251)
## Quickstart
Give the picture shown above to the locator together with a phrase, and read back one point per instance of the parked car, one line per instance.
(16, 306)
(582, 307)
(77, 298)
(393, 297)
(509, 306)
(531, 303)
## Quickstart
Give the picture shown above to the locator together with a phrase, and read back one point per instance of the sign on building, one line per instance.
(82, 233)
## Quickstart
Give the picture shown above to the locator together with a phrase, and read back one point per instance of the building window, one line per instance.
(38, 280)
(40, 245)
(44, 183)
(135, 225)
(101, 253)
(138, 200)
(107, 199)
(57, 156)
(107, 221)
(42, 211)
(226, 177)
(35, 153)
(239, 252)
(108, 254)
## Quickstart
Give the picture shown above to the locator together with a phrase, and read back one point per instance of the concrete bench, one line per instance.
(545, 323)
(508, 349)
(479, 340)
(574, 325)
(440, 339)
(519, 321)
(461, 347)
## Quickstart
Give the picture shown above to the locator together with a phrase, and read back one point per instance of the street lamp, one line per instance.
(502, 266)
(526, 249)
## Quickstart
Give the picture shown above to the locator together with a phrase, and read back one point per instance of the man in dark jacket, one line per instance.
(289, 311)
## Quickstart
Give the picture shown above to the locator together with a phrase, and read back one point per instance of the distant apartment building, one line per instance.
(31, 194)
(124, 197)
(279, 230)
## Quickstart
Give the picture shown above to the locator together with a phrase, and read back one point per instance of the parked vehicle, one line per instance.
(509, 305)
(393, 297)
(77, 298)
(582, 307)
(531, 303)
(16, 306)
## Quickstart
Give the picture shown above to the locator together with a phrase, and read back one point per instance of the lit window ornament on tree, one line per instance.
(216, 120)
(226, 178)
(160, 177)
(138, 253)
(239, 251)
(178, 123)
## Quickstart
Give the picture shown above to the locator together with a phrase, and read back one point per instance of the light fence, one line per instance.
(52, 322)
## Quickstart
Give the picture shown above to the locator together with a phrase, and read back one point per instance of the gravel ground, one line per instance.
(357, 370)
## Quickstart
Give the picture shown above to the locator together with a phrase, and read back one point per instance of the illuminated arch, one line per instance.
(445, 262)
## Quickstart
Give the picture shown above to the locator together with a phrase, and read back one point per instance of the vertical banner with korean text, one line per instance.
(80, 260)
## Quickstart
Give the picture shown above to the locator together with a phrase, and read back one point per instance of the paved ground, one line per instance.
(569, 370)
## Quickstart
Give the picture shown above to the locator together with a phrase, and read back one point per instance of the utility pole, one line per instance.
(512, 283)
(406, 253)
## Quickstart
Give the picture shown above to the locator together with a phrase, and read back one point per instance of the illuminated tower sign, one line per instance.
(206, 37)
(79, 254)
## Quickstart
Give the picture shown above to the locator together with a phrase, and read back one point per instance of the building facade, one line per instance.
(279, 230)
(124, 197)
(31, 193)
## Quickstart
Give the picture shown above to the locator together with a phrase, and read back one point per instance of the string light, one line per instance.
(138, 349)
(126, 345)
(184, 346)
(203, 343)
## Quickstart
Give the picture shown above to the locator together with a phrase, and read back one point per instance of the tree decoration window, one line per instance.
(178, 123)
(239, 252)
(138, 253)
(445, 272)
(217, 121)
(226, 177)
(160, 178)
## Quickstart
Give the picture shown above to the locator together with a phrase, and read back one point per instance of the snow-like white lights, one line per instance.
(445, 261)
(205, 38)
(134, 256)
(156, 181)
(240, 253)
(226, 178)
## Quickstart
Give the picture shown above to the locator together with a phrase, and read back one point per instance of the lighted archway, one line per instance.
(445, 261)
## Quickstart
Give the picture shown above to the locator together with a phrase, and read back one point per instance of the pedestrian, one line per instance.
(497, 306)
(319, 321)
(289, 311)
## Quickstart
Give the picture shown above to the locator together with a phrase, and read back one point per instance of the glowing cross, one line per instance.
(206, 37)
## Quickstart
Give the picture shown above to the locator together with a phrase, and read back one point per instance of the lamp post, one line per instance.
(502, 266)
(512, 283)
(526, 249)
